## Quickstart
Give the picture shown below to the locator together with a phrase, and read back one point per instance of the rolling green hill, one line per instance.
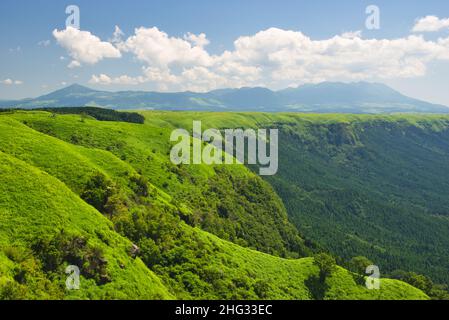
(79, 191)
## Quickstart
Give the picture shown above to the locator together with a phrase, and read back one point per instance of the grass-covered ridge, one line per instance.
(93, 112)
(123, 171)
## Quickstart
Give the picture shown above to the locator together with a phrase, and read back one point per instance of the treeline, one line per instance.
(100, 114)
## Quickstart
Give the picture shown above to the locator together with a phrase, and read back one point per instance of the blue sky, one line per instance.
(282, 45)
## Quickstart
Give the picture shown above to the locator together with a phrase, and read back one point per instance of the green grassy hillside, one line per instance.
(257, 219)
(80, 191)
(37, 211)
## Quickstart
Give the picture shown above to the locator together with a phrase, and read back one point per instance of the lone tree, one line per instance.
(326, 263)
(358, 265)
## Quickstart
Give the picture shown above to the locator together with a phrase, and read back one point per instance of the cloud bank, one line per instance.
(273, 58)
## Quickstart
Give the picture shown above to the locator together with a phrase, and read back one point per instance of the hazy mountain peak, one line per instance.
(326, 97)
(76, 88)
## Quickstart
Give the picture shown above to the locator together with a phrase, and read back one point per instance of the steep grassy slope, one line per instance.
(360, 185)
(190, 262)
(36, 208)
(228, 201)
(233, 272)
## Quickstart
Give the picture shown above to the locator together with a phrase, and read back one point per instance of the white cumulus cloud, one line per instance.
(84, 47)
(157, 49)
(431, 24)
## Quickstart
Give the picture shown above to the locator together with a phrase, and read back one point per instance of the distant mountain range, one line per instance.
(326, 97)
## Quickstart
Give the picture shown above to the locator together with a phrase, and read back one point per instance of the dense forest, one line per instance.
(375, 188)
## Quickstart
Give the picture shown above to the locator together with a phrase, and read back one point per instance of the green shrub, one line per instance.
(66, 249)
(326, 264)
(97, 192)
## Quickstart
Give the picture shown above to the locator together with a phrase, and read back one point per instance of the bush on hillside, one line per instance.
(98, 191)
(65, 249)
(326, 263)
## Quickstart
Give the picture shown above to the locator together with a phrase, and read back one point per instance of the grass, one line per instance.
(35, 205)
